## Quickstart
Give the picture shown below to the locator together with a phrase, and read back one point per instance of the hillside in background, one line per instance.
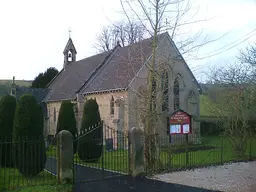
(5, 85)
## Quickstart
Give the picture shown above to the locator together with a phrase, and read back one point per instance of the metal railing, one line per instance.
(26, 162)
(176, 153)
(101, 157)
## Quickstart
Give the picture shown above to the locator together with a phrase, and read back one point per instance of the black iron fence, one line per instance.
(32, 161)
(178, 152)
(101, 157)
(26, 162)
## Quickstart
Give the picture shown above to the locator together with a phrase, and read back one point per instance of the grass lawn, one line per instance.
(205, 157)
(170, 159)
(11, 179)
(115, 160)
(44, 188)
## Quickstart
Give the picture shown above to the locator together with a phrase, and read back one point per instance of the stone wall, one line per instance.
(52, 122)
(119, 120)
(116, 126)
(168, 60)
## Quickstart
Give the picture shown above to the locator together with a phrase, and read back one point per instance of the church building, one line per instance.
(115, 78)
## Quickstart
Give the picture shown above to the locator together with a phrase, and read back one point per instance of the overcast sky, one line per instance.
(33, 33)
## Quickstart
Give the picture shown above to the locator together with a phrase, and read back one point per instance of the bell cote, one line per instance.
(69, 53)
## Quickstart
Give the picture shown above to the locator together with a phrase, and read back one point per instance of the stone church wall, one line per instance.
(120, 110)
(52, 122)
(116, 123)
(176, 68)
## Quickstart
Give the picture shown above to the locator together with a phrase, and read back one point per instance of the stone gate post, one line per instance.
(64, 156)
(137, 163)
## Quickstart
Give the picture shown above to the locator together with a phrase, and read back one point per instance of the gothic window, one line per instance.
(176, 91)
(153, 95)
(54, 115)
(112, 106)
(165, 89)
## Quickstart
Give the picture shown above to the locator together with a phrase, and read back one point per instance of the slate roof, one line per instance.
(102, 72)
(121, 68)
(70, 79)
(39, 93)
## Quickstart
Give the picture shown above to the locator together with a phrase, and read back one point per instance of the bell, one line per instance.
(69, 55)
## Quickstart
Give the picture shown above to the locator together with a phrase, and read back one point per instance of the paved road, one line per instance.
(117, 182)
(51, 165)
(129, 184)
(82, 173)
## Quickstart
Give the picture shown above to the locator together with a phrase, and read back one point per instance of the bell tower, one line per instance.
(69, 52)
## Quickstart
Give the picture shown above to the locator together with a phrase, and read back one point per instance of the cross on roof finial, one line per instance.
(166, 23)
(69, 31)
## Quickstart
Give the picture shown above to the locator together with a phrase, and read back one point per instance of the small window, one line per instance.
(112, 106)
(54, 115)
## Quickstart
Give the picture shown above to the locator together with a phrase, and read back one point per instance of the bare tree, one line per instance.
(152, 18)
(248, 55)
(234, 103)
(123, 32)
(157, 16)
(105, 40)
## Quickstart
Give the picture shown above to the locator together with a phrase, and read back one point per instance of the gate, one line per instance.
(102, 152)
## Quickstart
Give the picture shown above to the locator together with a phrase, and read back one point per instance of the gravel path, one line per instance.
(235, 177)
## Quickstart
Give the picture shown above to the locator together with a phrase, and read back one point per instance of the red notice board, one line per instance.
(179, 123)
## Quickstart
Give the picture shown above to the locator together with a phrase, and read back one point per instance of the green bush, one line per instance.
(211, 128)
(7, 111)
(90, 146)
(67, 120)
(29, 148)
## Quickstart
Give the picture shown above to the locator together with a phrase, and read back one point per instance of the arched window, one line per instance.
(54, 115)
(165, 89)
(112, 106)
(69, 55)
(176, 91)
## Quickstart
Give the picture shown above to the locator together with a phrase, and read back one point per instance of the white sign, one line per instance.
(186, 128)
(175, 129)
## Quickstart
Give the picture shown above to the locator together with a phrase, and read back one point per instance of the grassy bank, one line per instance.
(45, 188)
(11, 179)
